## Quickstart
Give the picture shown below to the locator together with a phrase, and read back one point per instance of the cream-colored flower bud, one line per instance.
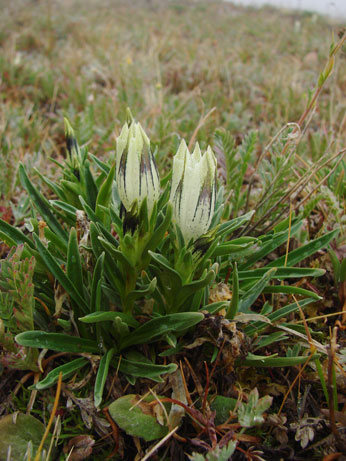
(136, 172)
(193, 190)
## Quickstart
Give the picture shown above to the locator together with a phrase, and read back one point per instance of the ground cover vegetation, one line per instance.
(173, 275)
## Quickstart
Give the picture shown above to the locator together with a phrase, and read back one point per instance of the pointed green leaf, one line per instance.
(54, 267)
(67, 370)
(101, 377)
(301, 253)
(160, 326)
(56, 342)
(252, 294)
(74, 269)
(41, 204)
(104, 195)
(109, 316)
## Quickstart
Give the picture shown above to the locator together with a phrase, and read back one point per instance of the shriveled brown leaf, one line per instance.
(305, 429)
(81, 446)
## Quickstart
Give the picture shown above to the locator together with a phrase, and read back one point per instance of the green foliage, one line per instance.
(112, 268)
(17, 305)
(21, 436)
(217, 454)
(138, 418)
(251, 413)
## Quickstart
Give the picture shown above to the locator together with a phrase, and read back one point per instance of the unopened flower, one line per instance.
(136, 172)
(193, 190)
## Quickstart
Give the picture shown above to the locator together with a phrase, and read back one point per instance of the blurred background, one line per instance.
(178, 64)
(333, 8)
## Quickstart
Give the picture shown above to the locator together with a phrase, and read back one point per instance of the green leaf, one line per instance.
(275, 241)
(292, 290)
(67, 370)
(230, 226)
(145, 370)
(117, 255)
(70, 210)
(223, 406)
(56, 342)
(282, 273)
(234, 304)
(88, 210)
(59, 192)
(342, 274)
(59, 274)
(163, 264)
(17, 432)
(74, 269)
(105, 193)
(131, 415)
(251, 413)
(95, 299)
(90, 186)
(217, 453)
(263, 341)
(55, 241)
(101, 165)
(277, 315)
(136, 294)
(195, 286)
(13, 236)
(41, 204)
(160, 326)
(230, 248)
(101, 377)
(272, 361)
(213, 308)
(160, 231)
(111, 269)
(295, 256)
(252, 294)
(109, 316)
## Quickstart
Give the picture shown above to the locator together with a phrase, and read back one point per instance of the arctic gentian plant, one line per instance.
(120, 263)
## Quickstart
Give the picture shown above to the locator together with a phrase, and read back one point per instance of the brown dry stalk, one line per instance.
(51, 419)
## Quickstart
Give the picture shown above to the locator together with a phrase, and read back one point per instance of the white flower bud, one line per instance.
(136, 172)
(193, 190)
